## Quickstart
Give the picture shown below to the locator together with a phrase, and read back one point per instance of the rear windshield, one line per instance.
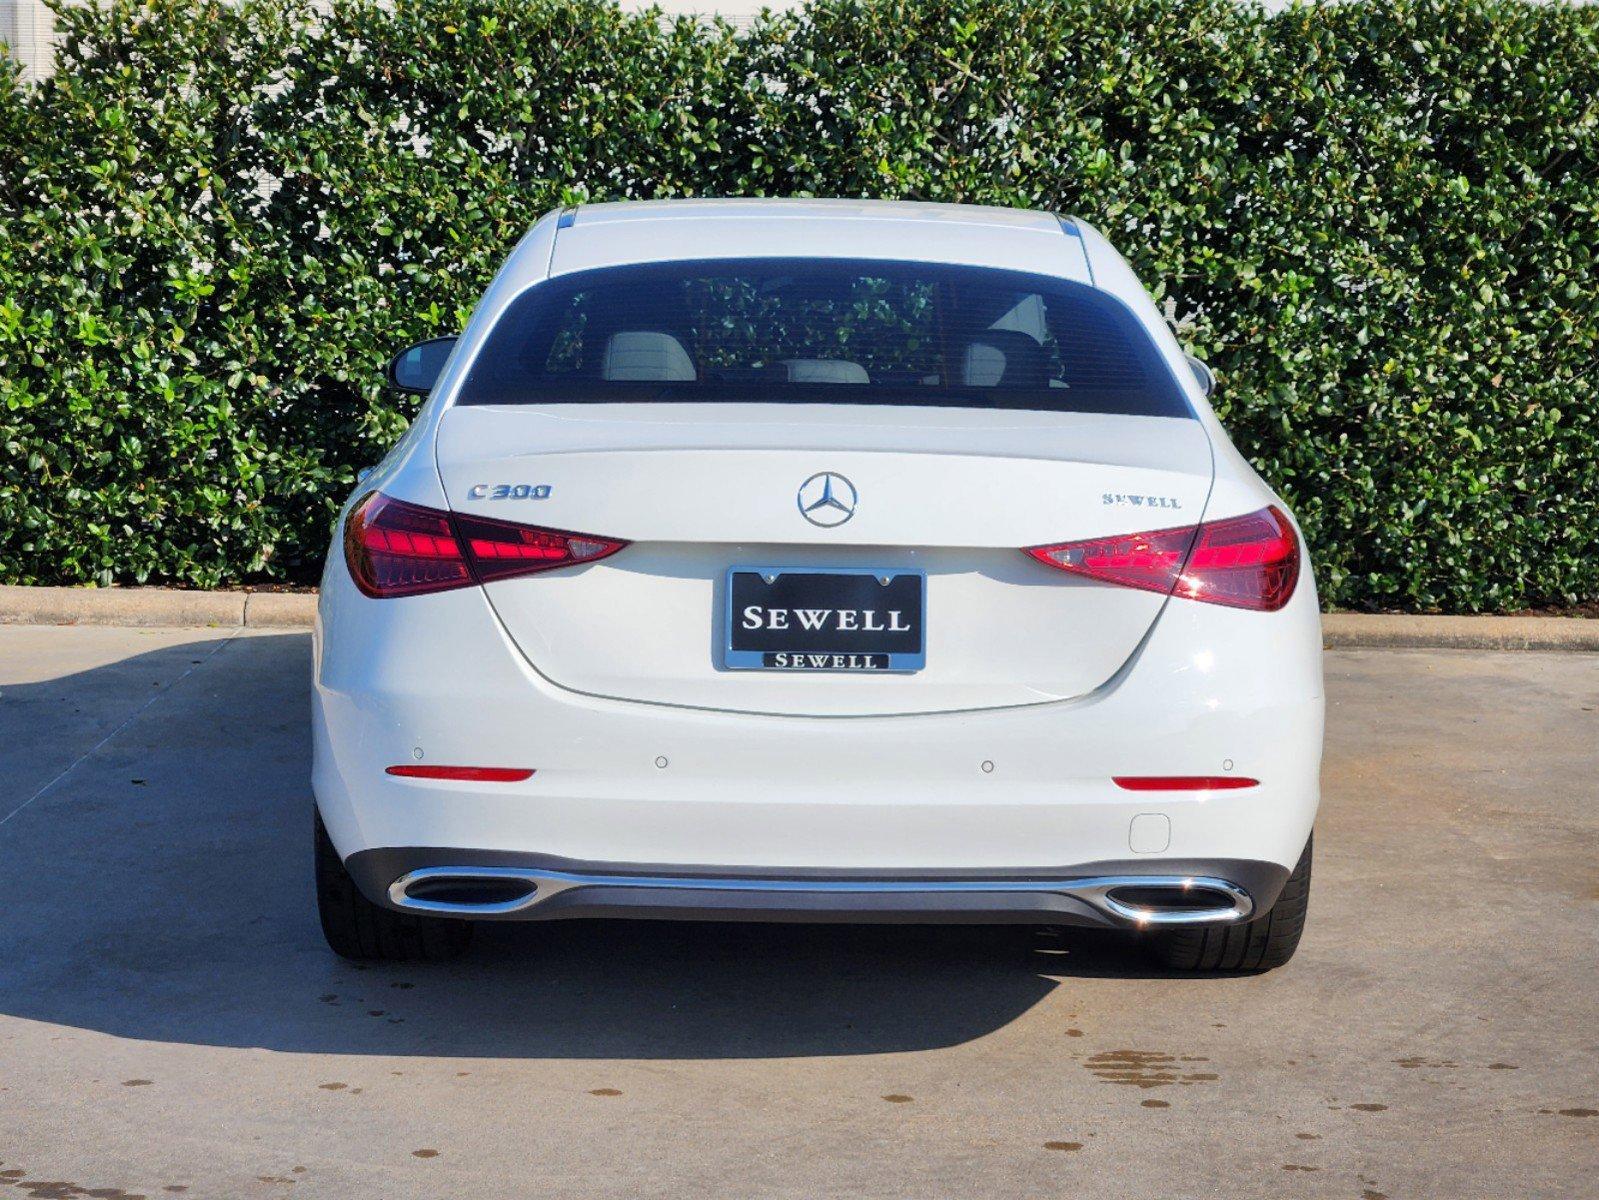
(822, 331)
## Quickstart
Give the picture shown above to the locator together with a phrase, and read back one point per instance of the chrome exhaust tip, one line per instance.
(466, 891)
(1158, 900)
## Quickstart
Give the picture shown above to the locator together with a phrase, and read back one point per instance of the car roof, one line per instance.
(607, 235)
(812, 208)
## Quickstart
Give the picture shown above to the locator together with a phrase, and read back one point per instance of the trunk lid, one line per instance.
(700, 489)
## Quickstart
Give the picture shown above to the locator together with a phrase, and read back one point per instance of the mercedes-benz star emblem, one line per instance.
(827, 499)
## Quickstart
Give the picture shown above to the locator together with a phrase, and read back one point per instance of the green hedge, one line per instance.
(1377, 221)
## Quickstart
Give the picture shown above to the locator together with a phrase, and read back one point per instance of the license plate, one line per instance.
(799, 619)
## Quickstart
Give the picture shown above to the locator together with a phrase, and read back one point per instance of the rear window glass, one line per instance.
(822, 331)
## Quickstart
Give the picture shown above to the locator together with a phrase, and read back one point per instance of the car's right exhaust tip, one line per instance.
(1172, 901)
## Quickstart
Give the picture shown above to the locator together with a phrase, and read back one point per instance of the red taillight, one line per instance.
(469, 774)
(1183, 783)
(500, 549)
(1247, 562)
(1244, 562)
(399, 549)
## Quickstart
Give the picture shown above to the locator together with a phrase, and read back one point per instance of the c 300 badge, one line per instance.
(509, 491)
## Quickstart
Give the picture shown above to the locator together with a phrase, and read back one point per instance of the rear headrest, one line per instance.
(825, 370)
(646, 355)
(984, 365)
(1004, 358)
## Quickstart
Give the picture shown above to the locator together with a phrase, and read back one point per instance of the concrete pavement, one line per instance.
(170, 1021)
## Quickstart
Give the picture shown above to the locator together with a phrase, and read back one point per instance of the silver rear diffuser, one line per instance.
(1134, 901)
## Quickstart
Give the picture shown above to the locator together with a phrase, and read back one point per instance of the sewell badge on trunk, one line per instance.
(805, 619)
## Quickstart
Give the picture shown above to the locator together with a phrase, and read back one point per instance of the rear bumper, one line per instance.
(1128, 894)
(997, 794)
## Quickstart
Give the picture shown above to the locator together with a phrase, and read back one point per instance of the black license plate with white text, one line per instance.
(805, 619)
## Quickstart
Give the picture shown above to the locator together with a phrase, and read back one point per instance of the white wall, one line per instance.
(739, 12)
(26, 26)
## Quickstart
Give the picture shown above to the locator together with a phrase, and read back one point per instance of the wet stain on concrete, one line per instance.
(1074, 1033)
(1579, 1112)
(898, 1098)
(1063, 1145)
(1147, 1068)
(60, 1189)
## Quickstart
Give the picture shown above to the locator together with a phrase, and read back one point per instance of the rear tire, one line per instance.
(1257, 945)
(358, 929)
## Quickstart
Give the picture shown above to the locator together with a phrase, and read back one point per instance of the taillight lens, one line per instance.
(1244, 562)
(501, 549)
(399, 549)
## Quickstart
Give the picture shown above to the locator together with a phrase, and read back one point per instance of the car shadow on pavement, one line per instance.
(161, 890)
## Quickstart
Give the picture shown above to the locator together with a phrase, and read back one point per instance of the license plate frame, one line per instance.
(851, 650)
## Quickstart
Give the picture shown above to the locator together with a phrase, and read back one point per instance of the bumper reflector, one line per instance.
(1183, 783)
(468, 774)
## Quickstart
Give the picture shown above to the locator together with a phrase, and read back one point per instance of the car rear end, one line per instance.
(907, 577)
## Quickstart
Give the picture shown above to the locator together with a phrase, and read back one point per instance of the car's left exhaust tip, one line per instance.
(465, 891)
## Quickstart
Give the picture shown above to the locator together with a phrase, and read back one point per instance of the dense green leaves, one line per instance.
(1377, 221)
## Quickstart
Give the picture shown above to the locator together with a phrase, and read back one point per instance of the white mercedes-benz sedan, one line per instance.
(816, 561)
